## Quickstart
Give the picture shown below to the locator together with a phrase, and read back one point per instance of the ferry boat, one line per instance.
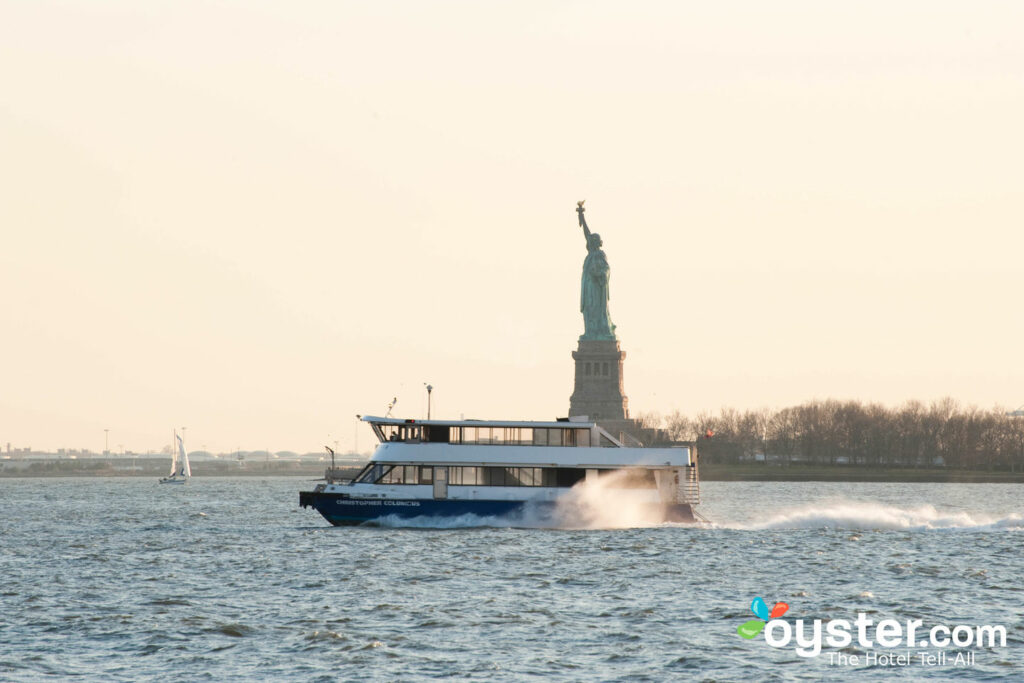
(450, 468)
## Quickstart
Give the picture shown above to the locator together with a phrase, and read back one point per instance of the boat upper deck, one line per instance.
(570, 432)
(573, 443)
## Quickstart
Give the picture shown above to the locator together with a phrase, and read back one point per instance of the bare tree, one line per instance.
(942, 434)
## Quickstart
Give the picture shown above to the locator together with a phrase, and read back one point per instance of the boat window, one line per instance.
(370, 474)
(530, 476)
(494, 476)
(502, 476)
(489, 435)
(389, 432)
(560, 437)
(575, 437)
(524, 476)
(392, 475)
(400, 474)
(437, 433)
(507, 436)
(511, 476)
(569, 476)
(471, 476)
(366, 475)
(466, 476)
(402, 432)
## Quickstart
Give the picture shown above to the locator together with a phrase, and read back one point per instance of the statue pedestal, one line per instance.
(598, 388)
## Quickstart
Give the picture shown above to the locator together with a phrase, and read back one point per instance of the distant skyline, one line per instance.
(260, 220)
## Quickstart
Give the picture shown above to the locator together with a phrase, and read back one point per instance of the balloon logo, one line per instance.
(760, 609)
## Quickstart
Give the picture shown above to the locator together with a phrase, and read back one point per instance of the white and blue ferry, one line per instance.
(450, 468)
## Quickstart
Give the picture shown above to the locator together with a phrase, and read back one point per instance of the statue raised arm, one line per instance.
(583, 220)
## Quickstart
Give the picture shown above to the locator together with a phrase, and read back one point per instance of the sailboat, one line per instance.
(181, 471)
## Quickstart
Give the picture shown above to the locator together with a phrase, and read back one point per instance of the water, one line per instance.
(227, 579)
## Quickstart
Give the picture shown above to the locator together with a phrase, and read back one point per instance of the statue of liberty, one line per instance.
(594, 296)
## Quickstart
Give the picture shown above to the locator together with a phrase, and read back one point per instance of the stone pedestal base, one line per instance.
(598, 389)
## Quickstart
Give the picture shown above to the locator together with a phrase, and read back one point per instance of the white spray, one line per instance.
(611, 501)
(864, 515)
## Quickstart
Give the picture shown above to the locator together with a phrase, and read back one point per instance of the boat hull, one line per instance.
(342, 510)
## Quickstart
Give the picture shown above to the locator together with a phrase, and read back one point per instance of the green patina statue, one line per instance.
(597, 324)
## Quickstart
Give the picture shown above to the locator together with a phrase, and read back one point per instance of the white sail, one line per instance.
(184, 469)
(174, 457)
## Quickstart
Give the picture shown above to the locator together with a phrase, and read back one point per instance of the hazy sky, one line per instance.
(257, 219)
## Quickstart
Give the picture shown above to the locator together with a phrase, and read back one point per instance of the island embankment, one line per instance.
(708, 471)
(157, 467)
(761, 472)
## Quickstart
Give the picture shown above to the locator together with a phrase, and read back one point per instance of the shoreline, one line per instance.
(286, 469)
(709, 472)
(827, 473)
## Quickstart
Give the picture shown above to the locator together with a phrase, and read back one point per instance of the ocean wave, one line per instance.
(467, 521)
(871, 515)
(574, 514)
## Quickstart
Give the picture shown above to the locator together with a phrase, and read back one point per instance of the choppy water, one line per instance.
(227, 579)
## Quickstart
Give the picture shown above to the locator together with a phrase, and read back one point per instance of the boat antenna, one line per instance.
(330, 478)
(391, 406)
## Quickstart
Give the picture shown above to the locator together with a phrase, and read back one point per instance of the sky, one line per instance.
(260, 219)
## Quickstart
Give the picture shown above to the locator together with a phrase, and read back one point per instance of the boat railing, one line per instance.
(689, 487)
(628, 439)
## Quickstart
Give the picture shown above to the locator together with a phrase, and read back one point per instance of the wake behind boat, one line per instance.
(450, 468)
(181, 471)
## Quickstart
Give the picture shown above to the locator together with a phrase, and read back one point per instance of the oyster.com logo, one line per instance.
(920, 644)
(759, 607)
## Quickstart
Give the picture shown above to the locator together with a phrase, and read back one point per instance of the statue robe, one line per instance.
(594, 297)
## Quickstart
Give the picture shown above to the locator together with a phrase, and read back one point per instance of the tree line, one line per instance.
(831, 432)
